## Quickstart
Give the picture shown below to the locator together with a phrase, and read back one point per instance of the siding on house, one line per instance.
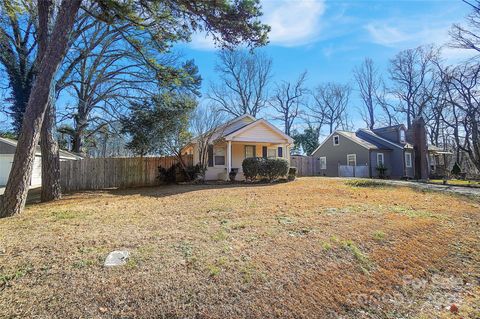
(240, 132)
(387, 158)
(337, 154)
(260, 133)
(219, 172)
(396, 157)
(391, 134)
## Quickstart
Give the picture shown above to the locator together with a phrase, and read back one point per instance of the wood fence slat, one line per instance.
(306, 165)
(101, 173)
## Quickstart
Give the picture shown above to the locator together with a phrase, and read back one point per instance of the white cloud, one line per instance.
(202, 41)
(409, 34)
(383, 34)
(293, 23)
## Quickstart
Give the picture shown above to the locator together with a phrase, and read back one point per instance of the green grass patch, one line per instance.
(220, 235)
(366, 183)
(457, 182)
(327, 246)
(285, 220)
(214, 270)
(378, 235)
(64, 215)
(365, 263)
(413, 213)
(16, 274)
(83, 263)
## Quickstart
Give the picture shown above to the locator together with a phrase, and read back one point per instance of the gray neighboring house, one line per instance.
(404, 153)
(7, 151)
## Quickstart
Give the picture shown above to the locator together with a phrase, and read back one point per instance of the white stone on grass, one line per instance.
(116, 258)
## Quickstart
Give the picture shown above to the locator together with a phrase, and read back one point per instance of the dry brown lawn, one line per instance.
(312, 248)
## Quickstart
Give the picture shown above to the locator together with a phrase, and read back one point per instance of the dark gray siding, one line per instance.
(391, 135)
(396, 162)
(337, 154)
(6, 148)
(387, 159)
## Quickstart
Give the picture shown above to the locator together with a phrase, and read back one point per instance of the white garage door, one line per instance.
(5, 166)
(37, 172)
(6, 161)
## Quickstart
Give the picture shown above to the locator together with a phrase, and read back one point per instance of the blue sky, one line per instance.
(329, 38)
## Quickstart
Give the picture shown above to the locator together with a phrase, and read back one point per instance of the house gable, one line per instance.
(237, 123)
(335, 155)
(259, 131)
(369, 135)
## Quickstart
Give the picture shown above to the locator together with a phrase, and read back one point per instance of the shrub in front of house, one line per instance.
(292, 173)
(382, 171)
(273, 168)
(176, 173)
(250, 168)
(265, 168)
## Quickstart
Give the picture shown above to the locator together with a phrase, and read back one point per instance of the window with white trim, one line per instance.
(272, 152)
(249, 151)
(336, 140)
(323, 162)
(408, 159)
(219, 156)
(352, 159)
(380, 159)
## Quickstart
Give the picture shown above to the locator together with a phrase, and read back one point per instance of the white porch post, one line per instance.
(229, 157)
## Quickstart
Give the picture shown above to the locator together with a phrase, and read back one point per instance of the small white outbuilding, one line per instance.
(7, 151)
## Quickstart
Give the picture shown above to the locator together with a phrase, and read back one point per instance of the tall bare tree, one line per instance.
(413, 75)
(287, 99)
(206, 126)
(244, 78)
(462, 86)
(330, 102)
(369, 84)
(468, 36)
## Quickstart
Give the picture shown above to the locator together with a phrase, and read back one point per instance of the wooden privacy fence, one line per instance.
(98, 173)
(306, 165)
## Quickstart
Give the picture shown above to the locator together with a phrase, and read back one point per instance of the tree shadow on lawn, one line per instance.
(171, 189)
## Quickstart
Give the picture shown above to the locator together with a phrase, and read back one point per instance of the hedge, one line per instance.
(265, 168)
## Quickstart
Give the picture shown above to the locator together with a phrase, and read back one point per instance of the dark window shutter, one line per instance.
(280, 151)
(264, 152)
(210, 155)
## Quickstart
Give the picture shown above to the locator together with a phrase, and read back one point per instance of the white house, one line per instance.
(240, 138)
(7, 151)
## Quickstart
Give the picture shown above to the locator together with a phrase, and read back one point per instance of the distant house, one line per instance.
(240, 138)
(404, 153)
(7, 151)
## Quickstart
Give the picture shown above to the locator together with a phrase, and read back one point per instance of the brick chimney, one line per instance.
(420, 147)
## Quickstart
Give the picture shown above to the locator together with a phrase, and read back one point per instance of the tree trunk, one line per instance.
(16, 191)
(50, 158)
(77, 146)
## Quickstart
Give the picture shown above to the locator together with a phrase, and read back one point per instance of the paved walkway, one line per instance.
(437, 187)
